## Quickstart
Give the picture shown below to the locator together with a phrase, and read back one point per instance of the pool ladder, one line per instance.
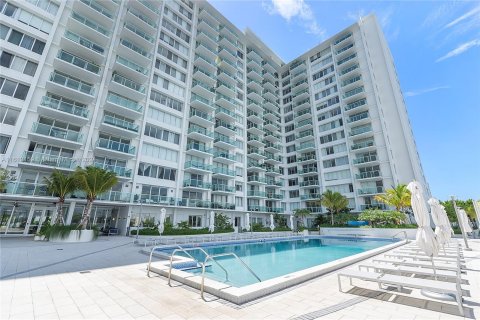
(404, 233)
(208, 257)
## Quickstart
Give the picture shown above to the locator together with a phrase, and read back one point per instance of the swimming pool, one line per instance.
(272, 259)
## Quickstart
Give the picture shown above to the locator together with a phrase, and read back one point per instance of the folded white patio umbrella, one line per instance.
(465, 222)
(425, 237)
(211, 227)
(247, 221)
(442, 231)
(161, 226)
(272, 226)
(291, 222)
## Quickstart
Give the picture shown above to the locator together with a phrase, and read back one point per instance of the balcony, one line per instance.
(203, 89)
(63, 110)
(206, 37)
(309, 183)
(255, 153)
(254, 128)
(359, 105)
(133, 52)
(123, 106)
(271, 125)
(368, 175)
(71, 64)
(272, 147)
(348, 59)
(305, 124)
(272, 137)
(257, 208)
(359, 118)
(307, 146)
(118, 127)
(133, 89)
(256, 194)
(115, 196)
(197, 167)
(222, 172)
(70, 87)
(131, 69)
(121, 172)
(137, 34)
(254, 116)
(194, 184)
(222, 189)
(308, 170)
(252, 54)
(298, 66)
(208, 27)
(204, 48)
(254, 74)
(34, 159)
(226, 89)
(347, 71)
(201, 103)
(206, 77)
(142, 20)
(82, 46)
(379, 206)
(363, 144)
(304, 135)
(225, 142)
(255, 166)
(342, 38)
(199, 133)
(271, 171)
(225, 128)
(225, 115)
(148, 8)
(27, 189)
(370, 191)
(274, 210)
(352, 93)
(89, 28)
(360, 130)
(199, 150)
(95, 10)
(254, 106)
(57, 136)
(274, 196)
(256, 180)
(307, 158)
(227, 57)
(311, 197)
(201, 118)
(223, 157)
(204, 63)
(274, 183)
(114, 149)
(353, 80)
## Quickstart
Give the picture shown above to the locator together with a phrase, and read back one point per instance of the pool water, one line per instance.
(273, 259)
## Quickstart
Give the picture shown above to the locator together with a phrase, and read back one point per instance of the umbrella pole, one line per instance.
(460, 224)
(433, 265)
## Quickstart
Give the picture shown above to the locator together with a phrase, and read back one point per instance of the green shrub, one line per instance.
(183, 225)
(149, 222)
(222, 222)
(379, 217)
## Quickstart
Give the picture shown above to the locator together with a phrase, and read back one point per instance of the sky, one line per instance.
(436, 49)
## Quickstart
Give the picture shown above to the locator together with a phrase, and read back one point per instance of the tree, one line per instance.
(60, 184)
(398, 197)
(302, 214)
(93, 181)
(335, 202)
(466, 205)
(5, 177)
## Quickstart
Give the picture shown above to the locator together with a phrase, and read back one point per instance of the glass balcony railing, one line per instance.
(135, 48)
(208, 61)
(128, 83)
(119, 170)
(255, 193)
(308, 170)
(353, 92)
(197, 129)
(380, 206)
(357, 117)
(208, 24)
(149, 6)
(120, 123)
(72, 83)
(84, 42)
(26, 189)
(64, 106)
(348, 46)
(304, 134)
(311, 196)
(203, 85)
(368, 174)
(56, 132)
(356, 104)
(304, 123)
(226, 125)
(360, 130)
(272, 170)
(307, 158)
(224, 97)
(343, 38)
(225, 171)
(142, 17)
(115, 146)
(197, 165)
(256, 179)
(371, 190)
(351, 80)
(199, 147)
(226, 111)
(206, 47)
(206, 73)
(363, 144)
(349, 69)
(204, 115)
(202, 100)
(91, 24)
(139, 32)
(275, 196)
(196, 184)
(79, 62)
(350, 57)
(257, 208)
(225, 155)
(309, 183)
(273, 182)
(131, 65)
(115, 196)
(124, 102)
(222, 187)
(222, 138)
(48, 160)
(211, 37)
(98, 7)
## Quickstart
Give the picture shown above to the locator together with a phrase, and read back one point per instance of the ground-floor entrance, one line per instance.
(23, 218)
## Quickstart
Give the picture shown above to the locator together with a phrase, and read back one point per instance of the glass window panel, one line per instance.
(9, 87)
(21, 92)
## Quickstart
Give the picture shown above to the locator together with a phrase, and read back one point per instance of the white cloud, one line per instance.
(437, 14)
(422, 91)
(291, 9)
(474, 12)
(355, 16)
(460, 49)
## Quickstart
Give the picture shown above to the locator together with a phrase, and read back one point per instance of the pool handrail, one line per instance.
(404, 233)
(212, 257)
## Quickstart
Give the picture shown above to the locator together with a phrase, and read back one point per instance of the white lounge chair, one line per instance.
(421, 264)
(420, 253)
(400, 281)
(421, 257)
(402, 270)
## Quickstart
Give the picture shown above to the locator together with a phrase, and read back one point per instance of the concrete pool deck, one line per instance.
(106, 279)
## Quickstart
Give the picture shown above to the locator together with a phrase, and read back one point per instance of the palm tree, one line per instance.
(93, 181)
(398, 197)
(334, 202)
(60, 184)
(302, 214)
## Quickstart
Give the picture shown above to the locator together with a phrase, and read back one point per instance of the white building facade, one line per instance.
(192, 114)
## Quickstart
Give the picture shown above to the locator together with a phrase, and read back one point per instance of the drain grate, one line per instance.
(87, 271)
(331, 309)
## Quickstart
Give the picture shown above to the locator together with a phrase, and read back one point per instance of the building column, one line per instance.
(71, 208)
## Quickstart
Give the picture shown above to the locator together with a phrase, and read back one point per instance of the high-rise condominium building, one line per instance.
(192, 114)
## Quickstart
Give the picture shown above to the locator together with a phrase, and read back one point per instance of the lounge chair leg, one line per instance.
(339, 284)
(351, 283)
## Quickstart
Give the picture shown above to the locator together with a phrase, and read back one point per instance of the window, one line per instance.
(168, 85)
(34, 21)
(293, 194)
(335, 162)
(156, 114)
(288, 118)
(4, 141)
(195, 221)
(159, 153)
(239, 172)
(292, 159)
(238, 202)
(238, 187)
(166, 101)
(332, 137)
(334, 149)
(291, 148)
(290, 138)
(173, 29)
(13, 89)
(8, 115)
(331, 125)
(159, 172)
(172, 56)
(174, 43)
(11, 61)
(323, 73)
(329, 114)
(293, 182)
(46, 5)
(292, 170)
(337, 175)
(22, 40)
(289, 128)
